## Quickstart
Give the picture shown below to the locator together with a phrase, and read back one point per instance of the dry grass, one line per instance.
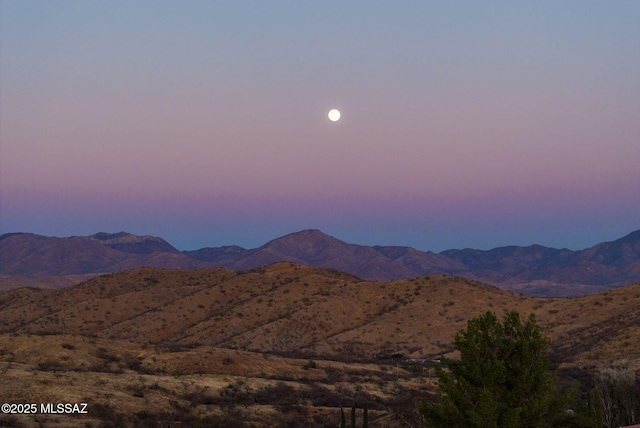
(216, 345)
(193, 386)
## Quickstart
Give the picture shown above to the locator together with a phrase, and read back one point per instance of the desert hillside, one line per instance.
(289, 308)
(310, 327)
(46, 262)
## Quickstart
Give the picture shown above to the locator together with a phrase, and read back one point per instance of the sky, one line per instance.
(464, 124)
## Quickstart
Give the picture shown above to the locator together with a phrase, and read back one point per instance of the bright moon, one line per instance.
(334, 115)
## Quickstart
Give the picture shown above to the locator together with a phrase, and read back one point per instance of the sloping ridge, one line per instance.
(30, 254)
(533, 270)
(128, 243)
(315, 248)
(291, 308)
(620, 252)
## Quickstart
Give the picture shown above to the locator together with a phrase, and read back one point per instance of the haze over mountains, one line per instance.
(30, 259)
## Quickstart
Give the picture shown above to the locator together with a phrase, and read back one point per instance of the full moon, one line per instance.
(334, 115)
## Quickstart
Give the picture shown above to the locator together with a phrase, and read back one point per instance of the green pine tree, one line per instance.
(502, 378)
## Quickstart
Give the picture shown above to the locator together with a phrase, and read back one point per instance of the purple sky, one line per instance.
(464, 124)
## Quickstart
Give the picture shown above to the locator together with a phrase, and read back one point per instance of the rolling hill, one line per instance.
(280, 345)
(290, 308)
(533, 270)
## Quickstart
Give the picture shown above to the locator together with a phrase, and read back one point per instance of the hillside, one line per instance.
(308, 311)
(534, 270)
(27, 254)
(282, 345)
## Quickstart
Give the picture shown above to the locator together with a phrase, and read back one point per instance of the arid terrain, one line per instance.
(282, 345)
(46, 262)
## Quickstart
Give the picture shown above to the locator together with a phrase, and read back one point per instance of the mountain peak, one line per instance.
(129, 243)
(309, 233)
(305, 237)
(311, 245)
(104, 236)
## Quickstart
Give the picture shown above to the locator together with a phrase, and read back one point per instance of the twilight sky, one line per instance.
(464, 124)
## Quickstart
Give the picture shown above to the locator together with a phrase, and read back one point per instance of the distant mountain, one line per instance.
(129, 243)
(534, 270)
(314, 248)
(607, 264)
(218, 255)
(30, 254)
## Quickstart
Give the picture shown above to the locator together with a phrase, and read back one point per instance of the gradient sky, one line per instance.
(464, 124)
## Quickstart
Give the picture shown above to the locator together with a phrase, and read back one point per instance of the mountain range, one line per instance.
(46, 262)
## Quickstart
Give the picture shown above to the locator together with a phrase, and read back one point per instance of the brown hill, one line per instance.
(280, 345)
(291, 308)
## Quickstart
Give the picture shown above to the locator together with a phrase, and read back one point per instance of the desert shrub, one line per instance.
(334, 374)
(236, 393)
(180, 407)
(294, 417)
(137, 389)
(231, 418)
(11, 422)
(103, 354)
(49, 366)
(201, 396)
(322, 396)
(108, 415)
(279, 394)
(403, 406)
(619, 397)
(105, 367)
(147, 419)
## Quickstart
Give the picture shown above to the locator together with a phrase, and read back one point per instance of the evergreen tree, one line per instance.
(502, 378)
